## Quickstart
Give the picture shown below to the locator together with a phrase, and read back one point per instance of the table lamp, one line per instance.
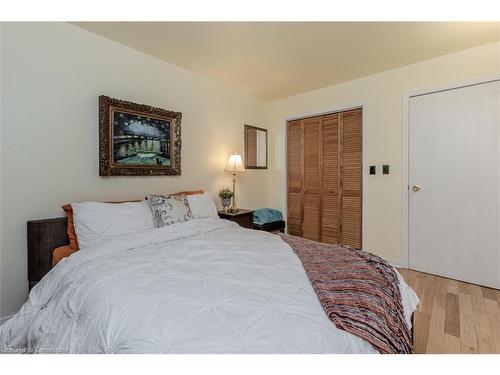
(234, 165)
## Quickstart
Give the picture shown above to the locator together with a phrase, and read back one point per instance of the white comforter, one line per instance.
(205, 286)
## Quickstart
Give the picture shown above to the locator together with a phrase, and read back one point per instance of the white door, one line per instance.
(454, 159)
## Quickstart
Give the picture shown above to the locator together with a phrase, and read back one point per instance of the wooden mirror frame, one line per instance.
(246, 128)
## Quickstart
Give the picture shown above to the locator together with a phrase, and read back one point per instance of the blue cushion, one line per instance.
(266, 215)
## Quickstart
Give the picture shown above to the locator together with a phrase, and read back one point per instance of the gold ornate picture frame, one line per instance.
(138, 140)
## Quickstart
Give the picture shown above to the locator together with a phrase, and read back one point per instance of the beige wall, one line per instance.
(52, 74)
(381, 96)
(1, 165)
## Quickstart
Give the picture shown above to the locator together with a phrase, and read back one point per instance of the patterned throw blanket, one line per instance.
(359, 292)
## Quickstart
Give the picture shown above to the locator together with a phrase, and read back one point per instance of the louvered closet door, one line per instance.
(311, 224)
(330, 179)
(325, 178)
(294, 204)
(350, 186)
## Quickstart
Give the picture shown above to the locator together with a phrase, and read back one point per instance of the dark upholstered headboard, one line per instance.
(43, 237)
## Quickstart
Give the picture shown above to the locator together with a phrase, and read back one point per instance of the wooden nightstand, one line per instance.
(243, 217)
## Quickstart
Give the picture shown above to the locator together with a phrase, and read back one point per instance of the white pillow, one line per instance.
(169, 209)
(96, 222)
(202, 205)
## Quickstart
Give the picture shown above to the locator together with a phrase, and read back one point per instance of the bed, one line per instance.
(203, 286)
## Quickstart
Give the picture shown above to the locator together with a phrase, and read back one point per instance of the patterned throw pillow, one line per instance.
(169, 209)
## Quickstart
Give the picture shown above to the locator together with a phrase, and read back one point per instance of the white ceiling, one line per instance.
(278, 59)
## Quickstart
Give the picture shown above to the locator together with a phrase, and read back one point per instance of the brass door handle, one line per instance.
(415, 188)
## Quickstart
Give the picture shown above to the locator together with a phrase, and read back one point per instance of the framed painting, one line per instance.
(138, 140)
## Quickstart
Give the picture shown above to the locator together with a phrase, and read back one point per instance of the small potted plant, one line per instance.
(225, 195)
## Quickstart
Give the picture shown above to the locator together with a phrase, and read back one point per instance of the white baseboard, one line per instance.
(396, 263)
(5, 318)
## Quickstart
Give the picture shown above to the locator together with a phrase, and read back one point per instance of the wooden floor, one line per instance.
(454, 317)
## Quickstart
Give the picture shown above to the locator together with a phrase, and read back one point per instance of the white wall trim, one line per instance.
(405, 148)
(396, 263)
(348, 107)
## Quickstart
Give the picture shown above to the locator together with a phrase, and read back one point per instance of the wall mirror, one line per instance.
(255, 147)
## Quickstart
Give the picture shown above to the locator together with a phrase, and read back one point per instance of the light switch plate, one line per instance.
(373, 169)
(385, 169)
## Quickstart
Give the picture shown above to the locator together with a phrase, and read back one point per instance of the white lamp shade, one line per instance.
(234, 164)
